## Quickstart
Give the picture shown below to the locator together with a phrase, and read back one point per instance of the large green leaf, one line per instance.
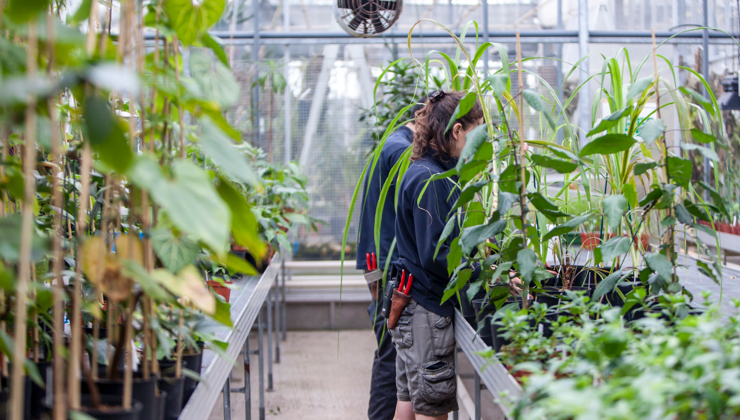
(244, 225)
(106, 135)
(473, 141)
(608, 144)
(651, 130)
(702, 137)
(545, 206)
(20, 11)
(704, 150)
(478, 234)
(462, 108)
(500, 83)
(216, 82)
(534, 100)
(469, 193)
(526, 259)
(566, 227)
(456, 283)
(188, 198)
(610, 121)
(505, 201)
(214, 43)
(175, 252)
(660, 264)
(446, 232)
(611, 249)
(189, 19)
(222, 151)
(637, 88)
(641, 168)
(608, 284)
(560, 165)
(10, 245)
(614, 207)
(679, 170)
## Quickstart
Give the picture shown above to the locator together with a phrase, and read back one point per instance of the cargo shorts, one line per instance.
(425, 361)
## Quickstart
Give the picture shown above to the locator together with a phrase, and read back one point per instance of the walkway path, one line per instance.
(313, 381)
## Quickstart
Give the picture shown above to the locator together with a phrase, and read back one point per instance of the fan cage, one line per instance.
(367, 18)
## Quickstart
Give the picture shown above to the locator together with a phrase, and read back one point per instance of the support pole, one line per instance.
(584, 97)
(247, 382)
(285, 311)
(705, 72)
(227, 399)
(277, 318)
(559, 71)
(287, 94)
(255, 63)
(476, 390)
(261, 364)
(484, 3)
(269, 340)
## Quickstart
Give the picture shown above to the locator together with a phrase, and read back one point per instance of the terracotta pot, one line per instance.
(590, 240)
(235, 247)
(222, 291)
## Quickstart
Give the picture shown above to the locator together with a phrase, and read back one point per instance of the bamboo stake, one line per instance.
(669, 235)
(59, 411)
(29, 164)
(75, 347)
(523, 173)
(176, 45)
(128, 376)
(35, 316)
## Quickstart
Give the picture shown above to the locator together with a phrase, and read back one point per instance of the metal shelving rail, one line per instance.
(495, 376)
(255, 299)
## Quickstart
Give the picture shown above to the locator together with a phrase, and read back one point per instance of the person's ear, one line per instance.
(456, 131)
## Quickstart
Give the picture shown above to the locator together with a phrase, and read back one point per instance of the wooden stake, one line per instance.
(24, 264)
(179, 105)
(128, 377)
(523, 173)
(59, 411)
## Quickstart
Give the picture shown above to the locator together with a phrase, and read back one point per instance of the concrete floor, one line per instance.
(316, 379)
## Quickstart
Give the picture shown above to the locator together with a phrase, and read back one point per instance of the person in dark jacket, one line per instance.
(423, 337)
(383, 382)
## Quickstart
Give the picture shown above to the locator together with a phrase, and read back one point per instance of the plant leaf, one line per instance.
(637, 88)
(614, 247)
(175, 252)
(651, 130)
(641, 168)
(660, 264)
(478, 234)
(473, 141)
(526, 260)
(702, 137)
(608, 284)
(610, 121)
(608, 144)
(704, 150)
(614, 207)
(560, 165)
(566, 227)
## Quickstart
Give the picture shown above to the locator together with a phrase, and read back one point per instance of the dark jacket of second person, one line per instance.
(419, 225)
(395, 144)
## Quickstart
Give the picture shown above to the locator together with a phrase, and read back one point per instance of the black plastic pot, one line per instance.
(483, 311)
(144, 391)
(38, 394)
(189, 361)
(466, 308)
(174, 388)
(26, 395)
(160, 402)
(113, 409)
(496, 335)
(613, 298)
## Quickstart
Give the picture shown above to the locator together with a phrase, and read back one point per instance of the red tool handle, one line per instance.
(375, 262)
(369, 267)
(408, 285)
(403, 279)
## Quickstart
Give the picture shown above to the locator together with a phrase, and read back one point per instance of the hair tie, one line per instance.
(436, 96)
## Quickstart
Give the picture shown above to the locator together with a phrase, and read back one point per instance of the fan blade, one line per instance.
(379, 28)
(344, 4)
(387, 5)
(355, 23)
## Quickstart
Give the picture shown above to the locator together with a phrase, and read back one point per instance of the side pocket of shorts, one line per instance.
(438, 382)
(443, 335)
(403, 336)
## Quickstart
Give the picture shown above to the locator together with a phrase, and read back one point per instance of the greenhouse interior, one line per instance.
(365, 209)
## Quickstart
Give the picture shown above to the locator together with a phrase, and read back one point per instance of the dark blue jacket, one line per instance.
(419, 227)
(395, 144)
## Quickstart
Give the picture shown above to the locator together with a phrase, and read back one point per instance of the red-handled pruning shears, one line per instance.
(374, 265)
(408, 285)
